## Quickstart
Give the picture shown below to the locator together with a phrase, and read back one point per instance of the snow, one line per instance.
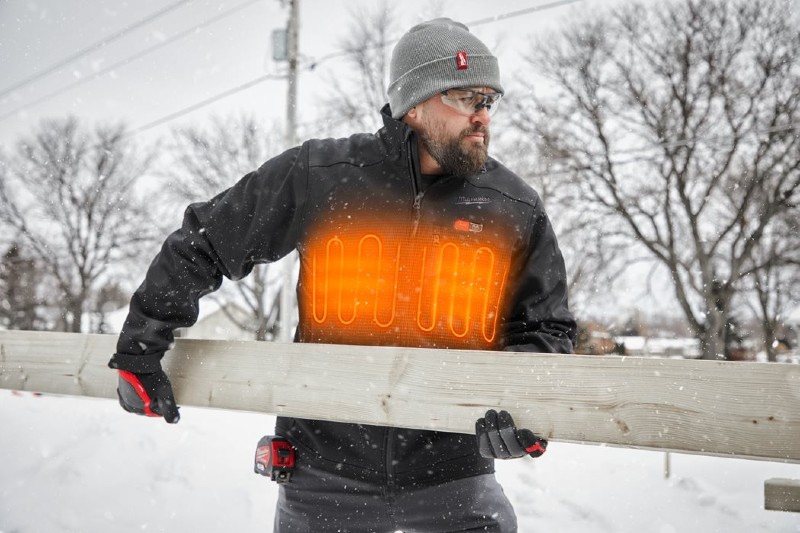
(83, 465)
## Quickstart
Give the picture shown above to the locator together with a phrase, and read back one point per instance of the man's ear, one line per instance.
(412, 116)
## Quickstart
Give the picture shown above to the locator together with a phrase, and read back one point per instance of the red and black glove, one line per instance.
(499, 438)
(143, 386)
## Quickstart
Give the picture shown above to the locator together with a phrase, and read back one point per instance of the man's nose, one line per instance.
(481, 117)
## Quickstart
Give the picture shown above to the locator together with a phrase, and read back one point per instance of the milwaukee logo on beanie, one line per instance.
(461, 60)
(423, 60)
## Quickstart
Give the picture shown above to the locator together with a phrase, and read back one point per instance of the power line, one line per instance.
(127, 59)
(487, 20)
(228, 92)
(92, 47)
(261, 79)
(203, 103)
(526, 11)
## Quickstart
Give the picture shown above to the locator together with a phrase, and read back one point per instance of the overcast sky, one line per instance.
(205, 48)
(192, 64)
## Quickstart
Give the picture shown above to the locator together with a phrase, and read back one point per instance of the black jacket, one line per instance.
(387, 257)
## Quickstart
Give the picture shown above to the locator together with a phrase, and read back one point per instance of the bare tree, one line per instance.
(354, 97)
(68, 193)
(208, 161)
(592, 264)
(775, 283)
(677, 122)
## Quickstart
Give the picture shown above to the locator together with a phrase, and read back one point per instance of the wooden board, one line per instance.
(782, 495)
(740, 409)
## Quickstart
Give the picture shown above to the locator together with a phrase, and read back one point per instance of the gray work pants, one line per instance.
(320, 502)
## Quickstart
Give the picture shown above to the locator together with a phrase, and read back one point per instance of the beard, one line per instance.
(455, 157)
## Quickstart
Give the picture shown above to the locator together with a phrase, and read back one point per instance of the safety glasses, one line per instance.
(469, 101)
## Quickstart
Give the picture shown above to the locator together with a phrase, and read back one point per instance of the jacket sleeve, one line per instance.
(255, 221)
(539, 319)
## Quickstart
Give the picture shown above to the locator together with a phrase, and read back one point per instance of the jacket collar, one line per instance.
(395, 132)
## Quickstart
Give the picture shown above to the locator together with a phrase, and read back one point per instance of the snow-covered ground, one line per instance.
(80, 465)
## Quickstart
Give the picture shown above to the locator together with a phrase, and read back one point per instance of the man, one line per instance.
(412, 236)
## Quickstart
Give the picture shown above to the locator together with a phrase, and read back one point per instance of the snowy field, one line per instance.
(70, 465)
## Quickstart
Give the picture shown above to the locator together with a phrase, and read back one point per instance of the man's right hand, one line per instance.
(148, 394)
(143, 387)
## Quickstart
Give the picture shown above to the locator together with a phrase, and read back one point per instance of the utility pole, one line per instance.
(291, 49)
(287, 288)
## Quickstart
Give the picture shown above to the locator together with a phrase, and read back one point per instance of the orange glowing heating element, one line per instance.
(449, 289)
(464, 286)
(349, 282)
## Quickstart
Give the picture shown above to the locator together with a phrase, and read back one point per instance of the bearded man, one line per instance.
(412, 236)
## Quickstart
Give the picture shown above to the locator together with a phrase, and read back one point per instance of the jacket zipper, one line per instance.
(416, 216)
(415, 188)
(417, 213)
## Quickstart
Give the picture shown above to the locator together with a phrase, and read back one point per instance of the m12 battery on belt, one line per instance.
(275, 458)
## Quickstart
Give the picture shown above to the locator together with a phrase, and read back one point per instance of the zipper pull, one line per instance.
(417, 214)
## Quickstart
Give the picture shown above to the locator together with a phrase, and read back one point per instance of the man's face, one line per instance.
(457, 141)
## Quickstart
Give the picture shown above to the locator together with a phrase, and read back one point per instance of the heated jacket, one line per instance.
(388, 257)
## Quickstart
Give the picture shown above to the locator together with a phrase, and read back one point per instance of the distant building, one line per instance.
(685, 347)
(789, 351)
(213, 322)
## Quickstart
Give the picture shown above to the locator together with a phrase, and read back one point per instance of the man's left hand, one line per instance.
(499, 438)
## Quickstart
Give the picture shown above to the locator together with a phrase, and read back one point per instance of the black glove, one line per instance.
(144, 388)
(499, 438)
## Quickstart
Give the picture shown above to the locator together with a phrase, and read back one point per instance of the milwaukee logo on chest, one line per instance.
(461, 61)
(472, 200)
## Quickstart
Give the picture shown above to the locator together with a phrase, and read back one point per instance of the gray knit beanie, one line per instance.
(435, 56)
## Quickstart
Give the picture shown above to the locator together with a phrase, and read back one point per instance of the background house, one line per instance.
(215, 321)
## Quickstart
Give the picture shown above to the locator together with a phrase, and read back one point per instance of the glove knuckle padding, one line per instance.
(484, 446)
(509, 437)
(128, 398)
(498, 450)
(499, 437)
(497, 444)
(132, 393)
(148, 394)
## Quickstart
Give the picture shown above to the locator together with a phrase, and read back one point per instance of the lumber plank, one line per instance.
(740, 409)
(782, 494)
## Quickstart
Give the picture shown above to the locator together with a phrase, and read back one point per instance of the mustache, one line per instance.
(475, 129)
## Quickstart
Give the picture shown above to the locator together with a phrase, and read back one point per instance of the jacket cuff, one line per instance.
(138, 364)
